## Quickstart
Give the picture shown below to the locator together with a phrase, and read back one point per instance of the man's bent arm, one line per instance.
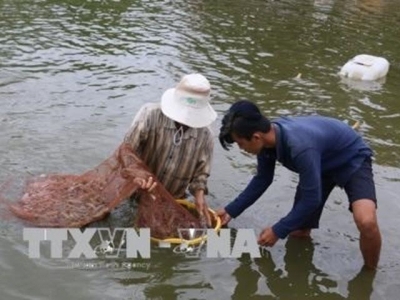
(309, 167)
(256, 187)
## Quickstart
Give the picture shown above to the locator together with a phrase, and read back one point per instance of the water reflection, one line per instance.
(300, 279)
(358, 85)
(168, 277)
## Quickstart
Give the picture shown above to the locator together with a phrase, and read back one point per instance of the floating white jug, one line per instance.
(365, 67)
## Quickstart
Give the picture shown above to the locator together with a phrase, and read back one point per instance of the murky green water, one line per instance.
(74, 73)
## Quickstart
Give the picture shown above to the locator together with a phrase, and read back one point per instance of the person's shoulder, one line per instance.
(207, 131)
(147, 113)
(150, 110)
(205, 134)
(327, 122)
(151, 107)
(306, 119)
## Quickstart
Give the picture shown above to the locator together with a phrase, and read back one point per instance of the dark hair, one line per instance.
(244, 119)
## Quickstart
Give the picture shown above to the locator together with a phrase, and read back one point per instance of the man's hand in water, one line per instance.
(202, 208)
(267, 237)
(225, 217)
(147, 185)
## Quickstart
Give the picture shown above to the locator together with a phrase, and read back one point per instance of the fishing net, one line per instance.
(76, 200)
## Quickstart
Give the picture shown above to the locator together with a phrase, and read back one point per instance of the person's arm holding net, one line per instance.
(137, 138)
(198, 185)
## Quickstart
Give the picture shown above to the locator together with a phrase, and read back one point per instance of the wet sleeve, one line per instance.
(308, 164)
(256, 187)
(203, 167)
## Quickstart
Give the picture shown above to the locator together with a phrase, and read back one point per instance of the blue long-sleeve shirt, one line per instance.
(311, 146)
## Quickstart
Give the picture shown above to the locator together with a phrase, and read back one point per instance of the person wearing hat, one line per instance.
(324, 151)
(173, 138)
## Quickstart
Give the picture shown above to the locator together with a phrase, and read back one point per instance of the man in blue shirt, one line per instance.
(325, 152)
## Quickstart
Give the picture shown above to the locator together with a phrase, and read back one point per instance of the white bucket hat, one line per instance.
(188, 103)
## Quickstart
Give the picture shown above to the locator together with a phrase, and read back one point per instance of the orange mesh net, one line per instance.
(77, 200)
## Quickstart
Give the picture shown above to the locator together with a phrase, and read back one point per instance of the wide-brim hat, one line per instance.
(188, 103)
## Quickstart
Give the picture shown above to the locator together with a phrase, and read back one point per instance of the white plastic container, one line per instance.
(365, 67)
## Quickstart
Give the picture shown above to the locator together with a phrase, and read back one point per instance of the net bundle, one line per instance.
(57, 200)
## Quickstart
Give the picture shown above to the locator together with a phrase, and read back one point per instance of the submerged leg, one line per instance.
(364, 212)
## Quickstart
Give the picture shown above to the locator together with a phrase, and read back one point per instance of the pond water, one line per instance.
(74, 73)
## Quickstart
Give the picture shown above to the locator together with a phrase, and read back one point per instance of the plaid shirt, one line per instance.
(177, 167)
